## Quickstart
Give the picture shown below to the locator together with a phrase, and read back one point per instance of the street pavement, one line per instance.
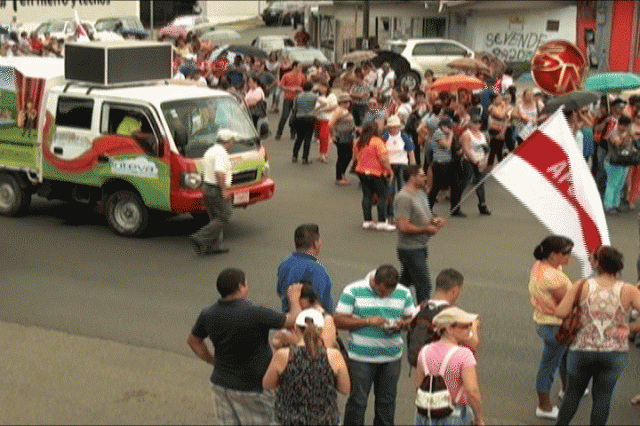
(93, 326)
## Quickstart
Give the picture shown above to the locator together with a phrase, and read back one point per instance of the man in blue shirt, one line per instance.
(303, 265)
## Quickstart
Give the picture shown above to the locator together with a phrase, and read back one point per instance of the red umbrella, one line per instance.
(453, 83)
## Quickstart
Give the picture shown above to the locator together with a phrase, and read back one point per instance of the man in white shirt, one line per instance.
(216, 179)
(386, 81)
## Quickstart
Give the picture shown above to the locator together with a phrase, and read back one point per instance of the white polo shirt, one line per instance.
(216, 159)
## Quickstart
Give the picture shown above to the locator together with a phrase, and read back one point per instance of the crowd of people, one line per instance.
(295, 377)
(457, 137)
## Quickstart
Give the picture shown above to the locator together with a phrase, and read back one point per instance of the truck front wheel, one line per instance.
(14, 200)
(127, 214)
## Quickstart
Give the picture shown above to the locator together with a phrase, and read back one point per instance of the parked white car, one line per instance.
(270, 43)
(427, 53)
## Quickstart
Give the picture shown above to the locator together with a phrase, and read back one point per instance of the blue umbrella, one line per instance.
(612, 82)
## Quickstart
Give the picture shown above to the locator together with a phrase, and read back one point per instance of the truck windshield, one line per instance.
(203, 118)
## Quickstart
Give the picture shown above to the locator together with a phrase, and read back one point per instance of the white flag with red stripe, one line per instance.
(548, 174)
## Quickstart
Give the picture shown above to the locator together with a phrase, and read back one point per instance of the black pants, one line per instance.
(459, 179)
(345, 152)
(287, 105)
(358, 109)
(374, 185)
(475, 175)
(304, 132)
(496, 145)
(442, 178)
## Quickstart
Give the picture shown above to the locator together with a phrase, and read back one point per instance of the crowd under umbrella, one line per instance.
(571, 102)
(358, 56)
(453, 83)
(470, 65)
(612, 82)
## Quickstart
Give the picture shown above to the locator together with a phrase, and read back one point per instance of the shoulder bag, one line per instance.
(568, 330)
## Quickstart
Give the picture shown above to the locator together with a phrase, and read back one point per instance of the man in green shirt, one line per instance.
(374, 310)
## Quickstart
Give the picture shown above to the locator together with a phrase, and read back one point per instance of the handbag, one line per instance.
(433, 399)
(568, 330)
(623, 157)
(259, 110)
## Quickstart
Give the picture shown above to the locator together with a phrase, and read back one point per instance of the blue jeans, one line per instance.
(462, 416)
(551, 358)
(394, 186)
(384, 377)
(605, 368)
(415, 271)
(616, 176)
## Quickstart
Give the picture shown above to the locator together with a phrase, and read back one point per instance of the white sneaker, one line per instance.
(553, 414)
(384, 226)
(367, 224)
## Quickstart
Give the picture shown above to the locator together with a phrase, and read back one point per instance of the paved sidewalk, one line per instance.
(51, 377)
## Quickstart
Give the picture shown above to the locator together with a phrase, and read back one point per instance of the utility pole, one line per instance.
(365, 25)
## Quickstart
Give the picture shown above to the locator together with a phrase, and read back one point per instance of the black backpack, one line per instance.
(421, 330)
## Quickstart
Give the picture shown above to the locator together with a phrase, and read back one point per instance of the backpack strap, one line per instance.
(445, 361)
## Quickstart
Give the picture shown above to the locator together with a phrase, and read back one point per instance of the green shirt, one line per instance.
(375, 344)
(128, 125)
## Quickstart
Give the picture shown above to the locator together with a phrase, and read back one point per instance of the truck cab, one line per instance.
(134, 150)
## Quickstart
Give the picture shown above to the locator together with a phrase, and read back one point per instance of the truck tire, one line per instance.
(126, 213)
(14, 200)
(410, 80)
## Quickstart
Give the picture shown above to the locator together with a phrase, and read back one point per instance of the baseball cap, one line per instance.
(453, 315)
(313, 314)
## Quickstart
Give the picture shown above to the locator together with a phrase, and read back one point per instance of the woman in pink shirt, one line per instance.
(460, 375)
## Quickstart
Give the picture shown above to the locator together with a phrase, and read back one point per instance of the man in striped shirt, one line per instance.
(374, 310)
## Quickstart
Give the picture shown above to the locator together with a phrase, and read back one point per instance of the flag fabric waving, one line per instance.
(81, 33)
(548, 174)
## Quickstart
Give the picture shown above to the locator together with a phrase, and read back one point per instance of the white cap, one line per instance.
(313, 314)
(453, 315)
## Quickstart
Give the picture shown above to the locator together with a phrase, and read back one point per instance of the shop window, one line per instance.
(553, 25)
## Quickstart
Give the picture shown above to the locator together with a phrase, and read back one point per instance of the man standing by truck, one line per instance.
(216, 179)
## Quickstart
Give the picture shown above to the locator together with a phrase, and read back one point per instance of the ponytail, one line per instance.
(312, 339)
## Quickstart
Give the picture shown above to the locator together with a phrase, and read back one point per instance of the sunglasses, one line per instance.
(463, 326)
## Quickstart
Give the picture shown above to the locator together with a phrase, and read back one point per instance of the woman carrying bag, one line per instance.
(600, 349)
(460, 376)
(308, 376)
(548, 285)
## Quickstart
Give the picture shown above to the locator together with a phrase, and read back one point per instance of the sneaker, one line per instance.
(552, 415)
(367, 224)
(385, 226)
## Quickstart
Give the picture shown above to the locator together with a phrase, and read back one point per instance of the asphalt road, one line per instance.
(65, 270)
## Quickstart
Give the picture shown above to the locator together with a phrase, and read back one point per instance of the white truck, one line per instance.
(106, 127)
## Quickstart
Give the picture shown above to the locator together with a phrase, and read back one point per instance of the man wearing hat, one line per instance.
(216, 179)
(374, 310)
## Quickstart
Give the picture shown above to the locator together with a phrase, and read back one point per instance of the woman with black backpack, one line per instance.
(448, 359)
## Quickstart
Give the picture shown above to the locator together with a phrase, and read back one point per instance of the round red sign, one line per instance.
(558, 68)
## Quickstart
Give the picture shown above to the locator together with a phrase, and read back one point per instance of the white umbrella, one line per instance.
(222, 34)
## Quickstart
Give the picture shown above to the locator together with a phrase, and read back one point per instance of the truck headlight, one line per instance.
(266, 169)
(191, 180)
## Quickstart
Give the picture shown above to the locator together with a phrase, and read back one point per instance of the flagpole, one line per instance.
(468, 194)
